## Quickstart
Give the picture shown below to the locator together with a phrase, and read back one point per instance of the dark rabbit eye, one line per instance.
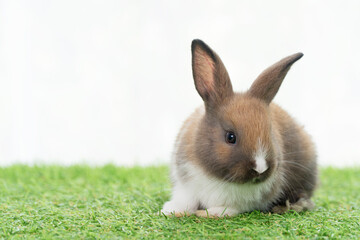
(230, 137)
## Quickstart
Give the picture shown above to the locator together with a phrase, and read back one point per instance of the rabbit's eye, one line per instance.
(230, 137)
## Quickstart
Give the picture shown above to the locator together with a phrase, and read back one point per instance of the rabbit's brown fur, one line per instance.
(273, 159)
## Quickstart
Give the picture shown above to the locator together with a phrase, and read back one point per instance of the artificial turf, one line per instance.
(109, 202)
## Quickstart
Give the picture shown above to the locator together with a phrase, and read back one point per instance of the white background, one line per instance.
(110, 81)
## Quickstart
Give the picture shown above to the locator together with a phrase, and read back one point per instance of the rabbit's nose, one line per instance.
(260, 165)
(260, 168)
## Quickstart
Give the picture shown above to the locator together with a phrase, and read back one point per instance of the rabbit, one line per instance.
(240, 152)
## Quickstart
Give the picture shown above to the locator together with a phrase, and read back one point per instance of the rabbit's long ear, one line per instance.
(269, 81)
(211, 78)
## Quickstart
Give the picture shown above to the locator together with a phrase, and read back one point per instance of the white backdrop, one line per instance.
(110, 81)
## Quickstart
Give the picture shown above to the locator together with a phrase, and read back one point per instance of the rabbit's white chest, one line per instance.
(212, 192)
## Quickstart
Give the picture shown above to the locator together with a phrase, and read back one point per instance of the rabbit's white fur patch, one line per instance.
(260, 156)
(200, 189)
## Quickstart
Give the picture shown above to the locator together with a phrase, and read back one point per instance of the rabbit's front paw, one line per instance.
(171, 208)
(217, 212)
(302, 204)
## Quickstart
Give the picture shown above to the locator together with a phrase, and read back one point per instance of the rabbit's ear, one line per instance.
(269, 81)
(211, 78)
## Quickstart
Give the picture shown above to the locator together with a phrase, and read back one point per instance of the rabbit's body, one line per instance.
(239, 152)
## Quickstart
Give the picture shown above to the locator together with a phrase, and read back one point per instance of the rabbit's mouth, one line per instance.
(249, 176)
(260, 177)
(254, 177)
(256, 180)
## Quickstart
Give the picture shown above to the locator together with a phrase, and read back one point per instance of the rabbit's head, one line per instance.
(237, 139)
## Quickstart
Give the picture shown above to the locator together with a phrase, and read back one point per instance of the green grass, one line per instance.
(111, 202)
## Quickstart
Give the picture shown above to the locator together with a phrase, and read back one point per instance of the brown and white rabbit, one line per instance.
(240, 152)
